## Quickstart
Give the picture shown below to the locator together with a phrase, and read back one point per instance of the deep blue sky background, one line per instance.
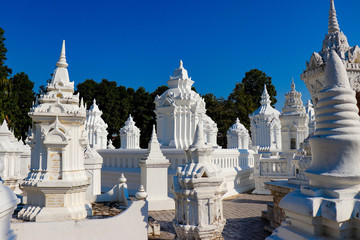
(139, 43)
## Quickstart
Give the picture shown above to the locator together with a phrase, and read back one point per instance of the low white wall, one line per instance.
(237, 166)
(130, 224)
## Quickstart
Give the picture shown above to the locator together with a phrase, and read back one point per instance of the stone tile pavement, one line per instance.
(242, 213)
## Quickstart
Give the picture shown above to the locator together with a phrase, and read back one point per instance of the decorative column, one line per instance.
(198, 188)
(154, 176)
(57, 182)
(130, 135)
(329, 207)
(96, 127)
(238, 136)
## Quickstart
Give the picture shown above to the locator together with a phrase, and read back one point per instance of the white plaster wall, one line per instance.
(131, 224)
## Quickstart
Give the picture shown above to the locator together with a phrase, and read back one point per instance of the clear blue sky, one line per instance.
(139, 43)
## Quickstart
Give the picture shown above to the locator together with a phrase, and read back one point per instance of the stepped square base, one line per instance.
(314, 213)
(47, 201)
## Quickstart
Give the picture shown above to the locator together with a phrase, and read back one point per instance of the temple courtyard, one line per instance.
(242, 213)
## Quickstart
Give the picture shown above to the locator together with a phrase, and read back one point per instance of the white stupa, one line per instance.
(57, 182)
(294, 121)
(96, 127)
(130, 135)
(238, 136)
(329, 207)
(265, 126)
(15, 157)
(335, 39)
(179, 110)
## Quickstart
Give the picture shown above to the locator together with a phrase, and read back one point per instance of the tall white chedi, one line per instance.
(265, 126)
(329, 208)
(179, 110)
(238, 136)
(294, 121)
(314, 75)
(15, 157)
(57, 181)
(130, 135)
(8, 203)
(198, 187)
(154, 176)
(96, 127)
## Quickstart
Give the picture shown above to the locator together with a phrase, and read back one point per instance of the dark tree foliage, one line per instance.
(4, 70)
(117, 102)
(16, 95)
(246, 96)
(244, 100)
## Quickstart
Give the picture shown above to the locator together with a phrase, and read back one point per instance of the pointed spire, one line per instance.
(199, 137)
(82, 103)
(62, 59)
(237, 120)
(4, 126)
(333, 22)
(181, 64)
(335, 72)
(265, 97)
(292, 85)
(153, 135)
(154, 143)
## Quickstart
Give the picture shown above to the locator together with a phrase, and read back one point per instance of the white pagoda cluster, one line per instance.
(15, 156)
(179, 110)
(57, 181)
(238, 136)
(314, 75)
(198, 188)
(130, 135)
(265, 126)
(96, 127)
(294, 121)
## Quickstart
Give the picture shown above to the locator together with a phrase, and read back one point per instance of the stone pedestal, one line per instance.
(198, 188)
(154, 177)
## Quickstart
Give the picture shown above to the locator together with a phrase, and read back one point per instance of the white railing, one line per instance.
(274, 166)
(129, 158)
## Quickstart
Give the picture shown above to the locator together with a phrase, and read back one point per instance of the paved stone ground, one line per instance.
(242, 213)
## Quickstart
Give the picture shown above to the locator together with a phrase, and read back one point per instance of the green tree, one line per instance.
(4, 70)
(22, 97)
(246, 96)
(16, 95)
